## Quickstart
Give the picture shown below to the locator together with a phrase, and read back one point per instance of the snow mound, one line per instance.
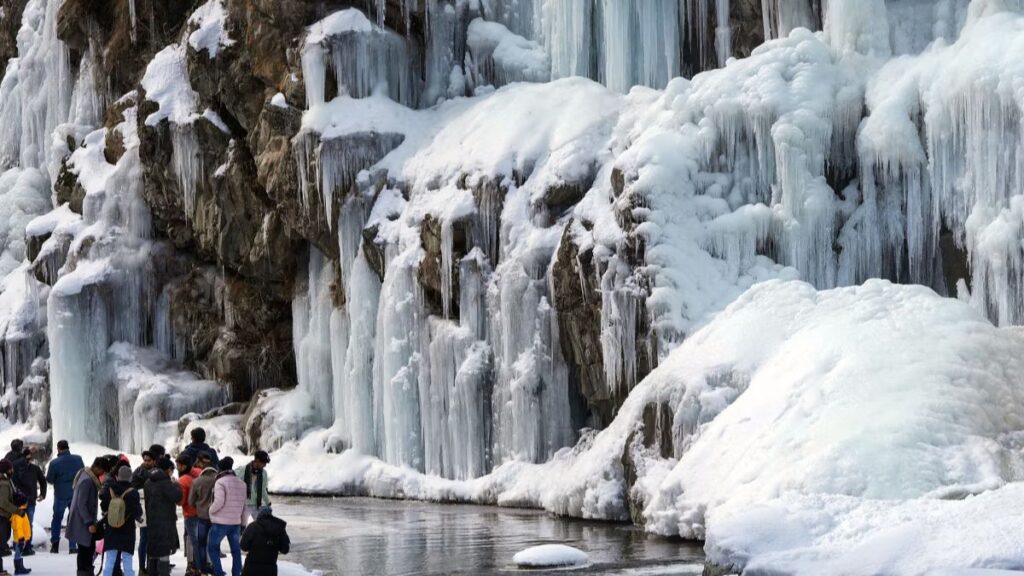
(550, 556)
(210, 33)
(166, 83)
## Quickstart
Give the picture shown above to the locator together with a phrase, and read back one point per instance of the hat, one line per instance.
(124, 474)
(226, 464)
(262, 456)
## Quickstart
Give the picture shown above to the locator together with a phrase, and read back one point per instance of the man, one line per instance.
(226, 516)
(119, 541)
(61, 473)
(83, 517)
(199, 445)
(32, 483)
(186, 475)
(139, 478)
(201, 497)
(17, 447)
(262, 541)
(254, 475)
(162, 498)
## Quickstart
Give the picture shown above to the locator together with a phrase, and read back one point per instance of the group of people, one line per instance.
(114, 510)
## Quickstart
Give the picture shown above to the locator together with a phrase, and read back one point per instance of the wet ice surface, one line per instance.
(363, 536)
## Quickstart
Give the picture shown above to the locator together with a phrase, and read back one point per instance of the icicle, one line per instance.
(723, 32)
(311, 326)
(358, 383)
(133, 16)
(187, 161)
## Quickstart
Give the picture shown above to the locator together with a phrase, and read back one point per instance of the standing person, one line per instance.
(226, 517)
(201, 497)
(15, 454)
(254, 474)
(84, 508)
(187, 473)
(32, 483)
(139, 478)
(119, 539)
(61, 473)
(262, 541)
(7, 507)
(199, 445)
(21, 530)
(162, 498)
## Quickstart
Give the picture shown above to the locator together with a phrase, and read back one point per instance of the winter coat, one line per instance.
(84, 505)
(32, 482)
(228, 500)
(21, 528)
(255, 486)
(201, 494)
(162, 496)
(123, 538)
(140, 476)
(61, 473)
(23, 476)
(262, 541)
(193, 450)
(188, 510)
(7, 505)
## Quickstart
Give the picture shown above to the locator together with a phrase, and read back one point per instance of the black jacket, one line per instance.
(31, 482)
(262, 541)
(193, 450)
(20, 475)
(122, 538)
(162, 496)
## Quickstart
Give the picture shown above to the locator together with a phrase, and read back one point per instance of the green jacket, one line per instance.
(7, 507)
(251, 482)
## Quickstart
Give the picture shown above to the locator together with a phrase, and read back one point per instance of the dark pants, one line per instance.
(143, 542)
(59, 508)
(5, 534)
(202, 537)
(31, 526)
(85, 554)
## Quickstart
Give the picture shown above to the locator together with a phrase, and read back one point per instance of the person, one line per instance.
(61, 474)
(187, 473)
(226, 513)
(254, 474)
(21, 530)
(15, 454)
(119, 542)
(82, 520)
(198, 445)
(7, 507)
(262, 541)
(162, 496)
(32, 483)
(201, 497)
(139, 477)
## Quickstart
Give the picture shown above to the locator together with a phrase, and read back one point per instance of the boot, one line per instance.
(54, 548)
(28, 551)
(163, 568)
(19, 568)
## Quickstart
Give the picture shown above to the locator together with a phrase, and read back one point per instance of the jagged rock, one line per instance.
(431, 266)
(10, 23)
(651, 439)
(67, 190)
(577, 299)
(747, 26)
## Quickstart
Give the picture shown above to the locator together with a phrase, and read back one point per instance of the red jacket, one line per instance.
(186, 486)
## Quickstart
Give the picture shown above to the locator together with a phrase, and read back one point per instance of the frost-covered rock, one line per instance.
(550, 556)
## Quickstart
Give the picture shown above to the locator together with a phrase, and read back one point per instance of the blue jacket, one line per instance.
(61, 473)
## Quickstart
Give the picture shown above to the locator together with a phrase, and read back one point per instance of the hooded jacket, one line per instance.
(188, 510)
(162, 496)
(228, 500)
(262, 541)
(123, 538)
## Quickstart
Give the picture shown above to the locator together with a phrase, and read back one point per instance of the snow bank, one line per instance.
(166, 83)
(550, 556)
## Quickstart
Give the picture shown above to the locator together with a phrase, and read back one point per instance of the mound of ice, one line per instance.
(550, 556)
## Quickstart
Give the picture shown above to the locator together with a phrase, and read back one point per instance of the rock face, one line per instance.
(651, 440)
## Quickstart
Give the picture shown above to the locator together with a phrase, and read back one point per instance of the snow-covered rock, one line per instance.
(550, 556)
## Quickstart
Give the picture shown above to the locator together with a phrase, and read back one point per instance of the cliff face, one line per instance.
(417, 223)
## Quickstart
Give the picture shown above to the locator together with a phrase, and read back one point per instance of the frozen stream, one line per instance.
(363, 536)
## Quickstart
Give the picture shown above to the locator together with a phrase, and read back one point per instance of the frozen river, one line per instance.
(362, 536)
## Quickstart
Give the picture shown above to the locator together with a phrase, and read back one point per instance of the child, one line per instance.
(21, 530)
(263, 540)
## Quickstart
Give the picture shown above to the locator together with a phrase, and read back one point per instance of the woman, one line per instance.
(162, 496)
(7, 506)
(119, 541)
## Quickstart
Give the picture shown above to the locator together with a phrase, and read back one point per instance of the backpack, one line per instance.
(117, 510)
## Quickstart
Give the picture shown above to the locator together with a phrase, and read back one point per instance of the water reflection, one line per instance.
(361, 536)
